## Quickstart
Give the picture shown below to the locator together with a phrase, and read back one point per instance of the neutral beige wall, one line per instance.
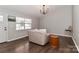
(12, 32)
(76, 24)
(58, 20)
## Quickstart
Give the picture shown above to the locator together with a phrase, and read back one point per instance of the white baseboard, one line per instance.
(16, 38)
(61, 35)
(75, 44)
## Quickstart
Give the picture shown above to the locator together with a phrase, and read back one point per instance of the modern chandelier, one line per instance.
(44, 10)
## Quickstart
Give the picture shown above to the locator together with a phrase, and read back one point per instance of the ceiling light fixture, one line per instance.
(44, 10)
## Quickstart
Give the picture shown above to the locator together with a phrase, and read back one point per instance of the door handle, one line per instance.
(5, 28)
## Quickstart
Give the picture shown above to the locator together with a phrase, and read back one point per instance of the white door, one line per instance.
(3, 28)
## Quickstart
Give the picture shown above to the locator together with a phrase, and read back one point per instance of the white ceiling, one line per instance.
(30, 10)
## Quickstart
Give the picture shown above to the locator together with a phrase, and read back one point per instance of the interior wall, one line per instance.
(76, 24)
(58, 20)
(12, 32)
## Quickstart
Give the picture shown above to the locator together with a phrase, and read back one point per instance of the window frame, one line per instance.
(24, 23)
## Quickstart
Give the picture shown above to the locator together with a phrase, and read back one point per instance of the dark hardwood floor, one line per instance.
(24, 46)
(17, 46)
(66, 46)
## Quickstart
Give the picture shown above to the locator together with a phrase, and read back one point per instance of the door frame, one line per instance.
(5, 24)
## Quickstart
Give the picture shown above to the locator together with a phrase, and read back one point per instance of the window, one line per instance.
(28, 23)
(11, 18)
(1, 18)
(22, 23)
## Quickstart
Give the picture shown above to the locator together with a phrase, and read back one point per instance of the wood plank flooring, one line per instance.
(17, 46)
(66, 46)
(24, 46)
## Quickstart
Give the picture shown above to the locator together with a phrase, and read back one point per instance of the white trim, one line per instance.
(61, 34)
(75, 44)
(16, 38)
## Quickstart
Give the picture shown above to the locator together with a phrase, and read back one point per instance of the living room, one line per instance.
(39, 29)
(60, 21)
